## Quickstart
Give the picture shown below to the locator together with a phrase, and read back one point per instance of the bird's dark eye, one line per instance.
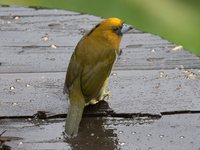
(115, 29)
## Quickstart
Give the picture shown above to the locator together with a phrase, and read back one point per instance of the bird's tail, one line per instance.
(74, 116)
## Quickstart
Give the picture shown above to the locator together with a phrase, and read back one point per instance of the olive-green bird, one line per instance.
(90, 67)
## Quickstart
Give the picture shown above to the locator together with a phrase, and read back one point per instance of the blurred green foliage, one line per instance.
(176, 20)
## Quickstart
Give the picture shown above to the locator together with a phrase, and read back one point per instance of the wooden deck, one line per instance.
(155, 86)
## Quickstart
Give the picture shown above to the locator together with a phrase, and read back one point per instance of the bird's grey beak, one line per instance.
(125, 28)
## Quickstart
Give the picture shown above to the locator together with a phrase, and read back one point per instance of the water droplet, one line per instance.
(120, 132)
(161, 136)
(149, 148)
(28, 29)
(179, 87)
(157, 86)
(12, 88)
(181, 66)
(182, 137)
(148, 135)
(17, 80)
(122, 143)
(58, 138)
(53, 46)
(133, 132)
(115, 81)
(14, 104)
(92, 134)
(153, 50)
(114, 74)
(138, 148)
(20, 143)
(29, 119)
(28, 85)
(52, 59)
(82, 31)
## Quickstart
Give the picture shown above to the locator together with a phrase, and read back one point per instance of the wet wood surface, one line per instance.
(169, 132)
(155, 94)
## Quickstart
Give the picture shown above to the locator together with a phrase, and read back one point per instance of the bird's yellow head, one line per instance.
(110, 30)
(111, 26)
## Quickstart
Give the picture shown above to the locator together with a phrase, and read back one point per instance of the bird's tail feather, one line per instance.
(74, 117)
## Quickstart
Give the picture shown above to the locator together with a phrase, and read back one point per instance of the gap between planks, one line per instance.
(116, 70)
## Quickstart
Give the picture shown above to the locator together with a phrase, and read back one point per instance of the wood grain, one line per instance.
(132, 92)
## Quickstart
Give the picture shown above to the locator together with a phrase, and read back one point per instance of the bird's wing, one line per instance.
(73, 72)
(93, 77)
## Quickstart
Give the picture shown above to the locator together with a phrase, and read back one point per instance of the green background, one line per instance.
(175, 20)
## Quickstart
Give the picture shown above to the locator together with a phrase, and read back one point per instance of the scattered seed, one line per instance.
(122, 143)
(53, 46)
(177, 48)
(16, 17)
(189, 74)
(92, 134)
(161, 73)
(45, 38)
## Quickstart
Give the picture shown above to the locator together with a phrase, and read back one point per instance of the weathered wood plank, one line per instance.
(22, 39)
(151, 91)
(51, 59)
(23, 11)
(52, 23)
(169, 132)
(144, 84)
